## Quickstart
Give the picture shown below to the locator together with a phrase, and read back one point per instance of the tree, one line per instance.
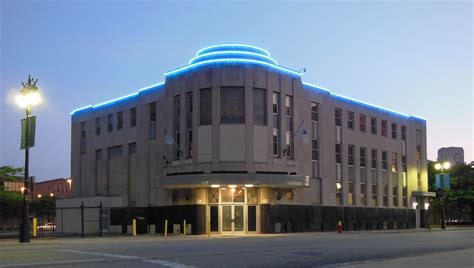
(459, 199)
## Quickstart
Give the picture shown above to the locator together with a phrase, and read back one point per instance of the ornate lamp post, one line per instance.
(27, 98)
(442, 167)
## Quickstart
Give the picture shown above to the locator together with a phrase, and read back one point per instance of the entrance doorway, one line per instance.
(232, 209)
(232, 218)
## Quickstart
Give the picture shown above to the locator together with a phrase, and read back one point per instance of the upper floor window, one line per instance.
(362, 156)
(350, 120)
(152, 107)
(394, 162)
(152, 126)
(119, 120)
(83, 130)
(110, 122)
(384, 160)
(404, 133)
(373, 157)
(259, 106)
(205, 106)
(97, 126)
(394, 130)
(276, 103)
(362, 122)
(314, 112)
(338, 153)
(177, 106)
(338, 117)
(384, 128)
(189, 110)
(350, 155)
(133, 116)
(288, 105)
(232, 105)
(373, 125)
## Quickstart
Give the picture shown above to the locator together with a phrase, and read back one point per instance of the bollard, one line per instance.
(339, 227)
(134, 227)
(34, 227)
(166, 228)
(184, 228)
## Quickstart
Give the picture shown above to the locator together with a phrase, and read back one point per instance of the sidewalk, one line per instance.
(458, 258)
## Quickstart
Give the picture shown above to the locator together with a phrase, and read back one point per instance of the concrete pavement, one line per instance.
(287, 250)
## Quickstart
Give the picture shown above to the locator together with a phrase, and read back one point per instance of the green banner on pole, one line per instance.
(31, 132)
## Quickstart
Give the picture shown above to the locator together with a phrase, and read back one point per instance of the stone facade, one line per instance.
(306, 185)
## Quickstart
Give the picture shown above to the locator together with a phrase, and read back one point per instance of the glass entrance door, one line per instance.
(233, 218)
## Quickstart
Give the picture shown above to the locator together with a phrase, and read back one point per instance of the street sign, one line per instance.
(31, 132)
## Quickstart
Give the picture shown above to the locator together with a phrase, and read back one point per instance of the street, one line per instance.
(373, 249)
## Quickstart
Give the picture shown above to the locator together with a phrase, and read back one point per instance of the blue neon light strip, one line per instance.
(192, 66)
(232, 52)
(359, 102)
(227, 46)
(118, 99)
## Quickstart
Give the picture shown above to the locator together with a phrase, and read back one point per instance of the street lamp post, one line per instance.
(441, 167)
(28, 97)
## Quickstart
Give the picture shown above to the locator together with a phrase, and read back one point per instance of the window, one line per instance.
(363, 157)
(384, 160)
(338, 193)
(97, 126)
(394, 131)
(384, 195)
(384, 128)
(133, 116)
(177, 125)
(404, 133)
(338, 117)
(362, 122)
(338, 153)
(152, 126)
(394, 162)
(289, 126)
(373, 125)
(259, 106)
(350, 120)
(373, 158)
(232, 105)
(276, 124)
(350, 196)
(404, 163)
(395, 196)
(314, 149)
(110, 122)
(314, 112)
(350, 155)
(83, 138)
(374, 195)
(363, 191)
(404, 196)
(205, 106)
(119, 120)
(189, 124)
(276, 143)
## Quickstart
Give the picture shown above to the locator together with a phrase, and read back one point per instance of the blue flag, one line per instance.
(438, 181)
(446, 181)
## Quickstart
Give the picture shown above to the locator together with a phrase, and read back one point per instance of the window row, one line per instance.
(351, 153)
(373, 125)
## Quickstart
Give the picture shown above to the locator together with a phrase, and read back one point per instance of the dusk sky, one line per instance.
(413, 57)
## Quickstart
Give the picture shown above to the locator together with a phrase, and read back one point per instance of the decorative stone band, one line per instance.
(224, 180)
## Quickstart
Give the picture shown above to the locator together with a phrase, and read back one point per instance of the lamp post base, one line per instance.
(24, 233)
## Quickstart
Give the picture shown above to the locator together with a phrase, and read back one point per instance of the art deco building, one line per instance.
(234, 142)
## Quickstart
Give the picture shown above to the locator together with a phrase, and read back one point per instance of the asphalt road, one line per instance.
(298, 250)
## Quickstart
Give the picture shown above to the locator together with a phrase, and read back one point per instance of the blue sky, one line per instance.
(413, 57)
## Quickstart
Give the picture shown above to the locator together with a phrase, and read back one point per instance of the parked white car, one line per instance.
(47, 226)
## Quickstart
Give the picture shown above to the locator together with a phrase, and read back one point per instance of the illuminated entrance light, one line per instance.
(232, 186)
(248, 185)
(215, 186)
